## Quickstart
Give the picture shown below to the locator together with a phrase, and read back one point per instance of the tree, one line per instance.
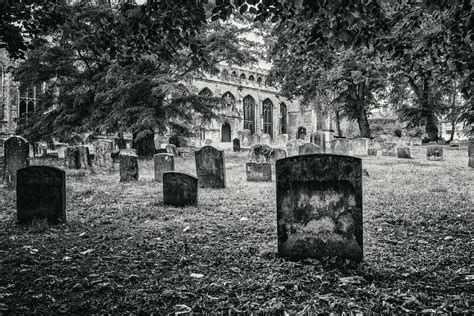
(123, 70)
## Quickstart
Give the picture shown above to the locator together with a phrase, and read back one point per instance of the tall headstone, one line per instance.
(210, 167)
(259, 172)
(41, 193)
(403, 152)
(319, 213)
(470, 152)
(163, 163)
(328, 140)
(246, 138)
(16, 157)
(293, 147)
(103, 155)
(84, 157)
(180, 189)
(71, 157)
(128, 167)
(236, 144)
(309, 148)
(172, 150)
(434, 153)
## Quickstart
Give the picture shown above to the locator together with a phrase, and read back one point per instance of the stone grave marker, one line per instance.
(434, 153)
(246, 138)
(71, 157)
(389, 149)
(179, 189)
(360, 146)
(309, 148)
(403, 152)
(319, 207)
(293, 147)
(372, 152)
(208, 141)
(454, 143)
(103, 155)
(128, 167)
(318, 138)
(341, 146)
(171, 149)
(210, 167)
(256, 139)
(41, 193)
(236, 144)
(259, 153)
(277, 153)
(163, 163)
(470, 152)
(265, 139)
(259, 172)
(16, 157)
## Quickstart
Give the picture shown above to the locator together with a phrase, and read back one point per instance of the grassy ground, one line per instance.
(122, 250)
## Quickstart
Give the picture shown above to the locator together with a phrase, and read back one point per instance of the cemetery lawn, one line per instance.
(122, 250)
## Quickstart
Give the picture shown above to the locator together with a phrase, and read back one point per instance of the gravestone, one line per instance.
(208, 141)
(259, 172)
(246, 138)
(341, 146)
(179, 189)
(16, 157)
(318, 139)
(210, 167)
(41, 193)
(103, 155)
(163, 163)
(236, 144)
(2, 160)
(260, 153)
(265, 139)
(293, 147)
(171, 149)
(328, 141)
(360, 146)
(277, 153)
(255, 139)
(319, 207)
(372, 152)
(128, 167)
(280, 140)
(307, 149)
(403, 152)
(389, 149)
(434, 153)
(470, 152)
(454, 143)
(71, 157)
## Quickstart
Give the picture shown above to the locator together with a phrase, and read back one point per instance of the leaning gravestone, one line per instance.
(293, 147)
(259, 172)
(246, 138)
(434, 153)
(163, 163)
(309, 148)
(319, 207)
(16, 157)
(171, 149)
(41, 193)
(403, 152)
(179, 189)
(103, 155)
(128, 167)
(470, 152)
(210, 167)
(236, 144)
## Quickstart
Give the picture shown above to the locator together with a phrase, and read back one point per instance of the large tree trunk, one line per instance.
(363, 123)
(431, 126)
(338, 122)
(144, 145)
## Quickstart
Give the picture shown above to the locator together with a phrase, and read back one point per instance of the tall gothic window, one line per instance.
(268, 117)
(229, 100)
(283, 119)
(28, 101)
(249, 114)
(205, 93)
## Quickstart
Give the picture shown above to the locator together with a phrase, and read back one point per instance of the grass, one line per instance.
(123, 251)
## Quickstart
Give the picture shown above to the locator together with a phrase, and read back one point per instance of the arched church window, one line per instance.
(259, 80)
(251, 78)
(249, 114)
(242, 76)
(268, 117)
(283, 119)
(206, 92)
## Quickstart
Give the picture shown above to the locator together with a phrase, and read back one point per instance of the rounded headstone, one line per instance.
(16, 157)
(128, 167)
(162, 163)
(179, 189)
(319, 207)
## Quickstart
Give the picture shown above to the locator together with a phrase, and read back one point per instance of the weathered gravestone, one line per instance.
(256, 139)
(389, 149)
(470, 152)
(277, 153)
(360, 146)
(372, 152)
(172, 150)
(208, 141)
(403, 152)
(163, 163)
(103, 155)
(210, 167)
(77, 157)
(265, 139)
(236, 144)
(319, 207)
(41, 193)
(16, 157)
(318, 138)
(259, 153)
(293, 147)
(341, 146)
(434, 153)
(246, 138)
(128, 167)
(259, 172)
(309, 148)
(179, 189)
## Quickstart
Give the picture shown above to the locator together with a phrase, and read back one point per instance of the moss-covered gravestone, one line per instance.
(17, 152)
(319, 207)
(309, 148)
(179, 189)
(41, 193)
(210, 167)
(259, 172)
(103, 155)
(128, 167)
(403, 152)
(162, 163)
(434, 153)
